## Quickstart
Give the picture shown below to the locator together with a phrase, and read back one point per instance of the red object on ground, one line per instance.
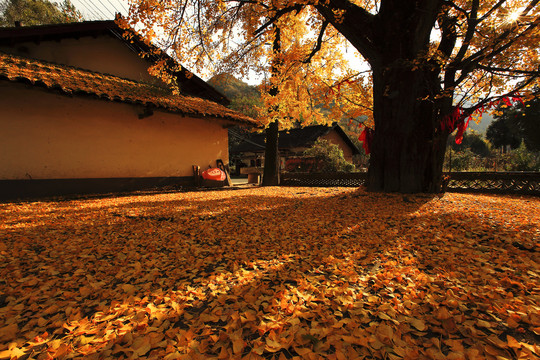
(214, 174)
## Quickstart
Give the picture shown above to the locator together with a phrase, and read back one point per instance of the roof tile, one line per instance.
(70, 79)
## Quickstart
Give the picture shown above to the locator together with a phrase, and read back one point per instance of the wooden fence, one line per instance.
(486, 182)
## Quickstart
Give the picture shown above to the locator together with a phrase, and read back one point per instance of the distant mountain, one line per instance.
(244, 97)
(232, 87)
(487, 119)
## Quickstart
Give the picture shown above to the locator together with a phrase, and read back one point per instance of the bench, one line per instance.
(254, 174)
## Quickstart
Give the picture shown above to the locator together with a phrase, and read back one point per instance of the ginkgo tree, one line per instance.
(304, 84)
(434, 63)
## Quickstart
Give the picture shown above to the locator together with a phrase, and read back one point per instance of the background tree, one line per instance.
(271, 152)
(516, 124)
(329, 157)
(244, 98)
(502, 133)
(530, 123)
(521, 159)
(472, 141)
(37, 12)
(428, 60)
(472, 154)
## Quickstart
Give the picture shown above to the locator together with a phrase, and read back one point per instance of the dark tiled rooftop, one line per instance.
(293, 138)
(71, 80)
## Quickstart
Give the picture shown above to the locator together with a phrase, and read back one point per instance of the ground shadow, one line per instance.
(252, 273)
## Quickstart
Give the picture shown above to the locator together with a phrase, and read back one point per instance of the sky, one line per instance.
(106, 9)
(101, 9)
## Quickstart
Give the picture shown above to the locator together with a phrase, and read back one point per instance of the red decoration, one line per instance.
(458, 119)
(367, 139)
(214, 174)
(462, 126)
(338, 86)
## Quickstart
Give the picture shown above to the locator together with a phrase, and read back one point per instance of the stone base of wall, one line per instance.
(26, 189)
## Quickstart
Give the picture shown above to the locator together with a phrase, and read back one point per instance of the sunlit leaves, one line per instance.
(214, 37)
(271, 273)
(483, 42)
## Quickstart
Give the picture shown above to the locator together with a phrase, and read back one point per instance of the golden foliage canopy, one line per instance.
(479, 49)
(220, 36)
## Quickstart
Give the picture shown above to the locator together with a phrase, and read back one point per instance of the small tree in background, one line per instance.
(473, 141)
(521, 159)
(329, 157)
(37, 12)
(516, 124)
(517, 127)
(476, 154)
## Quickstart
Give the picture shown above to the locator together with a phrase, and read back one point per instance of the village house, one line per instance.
(249, 152)
(80, 113)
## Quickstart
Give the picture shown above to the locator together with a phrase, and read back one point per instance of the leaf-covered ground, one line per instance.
(304, 273)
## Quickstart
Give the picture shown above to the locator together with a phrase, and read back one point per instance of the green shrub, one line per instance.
(329, 157)
(522, 159)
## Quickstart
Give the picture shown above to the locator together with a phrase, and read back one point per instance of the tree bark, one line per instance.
(271, 156)
(271, 152)
(408, 147)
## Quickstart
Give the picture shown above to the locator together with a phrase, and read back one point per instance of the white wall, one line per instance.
(104, 54)
(44, 135)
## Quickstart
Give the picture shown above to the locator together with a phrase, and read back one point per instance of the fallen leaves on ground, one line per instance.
(303, 273)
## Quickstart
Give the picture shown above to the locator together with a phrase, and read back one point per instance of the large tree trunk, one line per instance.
(271, 156)
(408, 146)
(271, 152)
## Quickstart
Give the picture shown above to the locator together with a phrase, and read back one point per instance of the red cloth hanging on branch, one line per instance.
(367, 139)
(459, 120)
(456, 120)
(462, 126)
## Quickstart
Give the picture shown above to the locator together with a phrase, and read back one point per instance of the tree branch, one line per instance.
(318, 45)
(495, 7)
(449, 35)
(505, 70)
(481, 54)
(472, 21)
(473, 61)
(356, 24)
(278, 14)
(458, 8)
(472, 109)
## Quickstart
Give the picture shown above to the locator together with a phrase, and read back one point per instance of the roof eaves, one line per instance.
(347, 139)
(12, 35)
(72, 81)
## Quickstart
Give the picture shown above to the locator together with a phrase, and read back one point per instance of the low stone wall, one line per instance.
(527, 183)
(495, 182)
